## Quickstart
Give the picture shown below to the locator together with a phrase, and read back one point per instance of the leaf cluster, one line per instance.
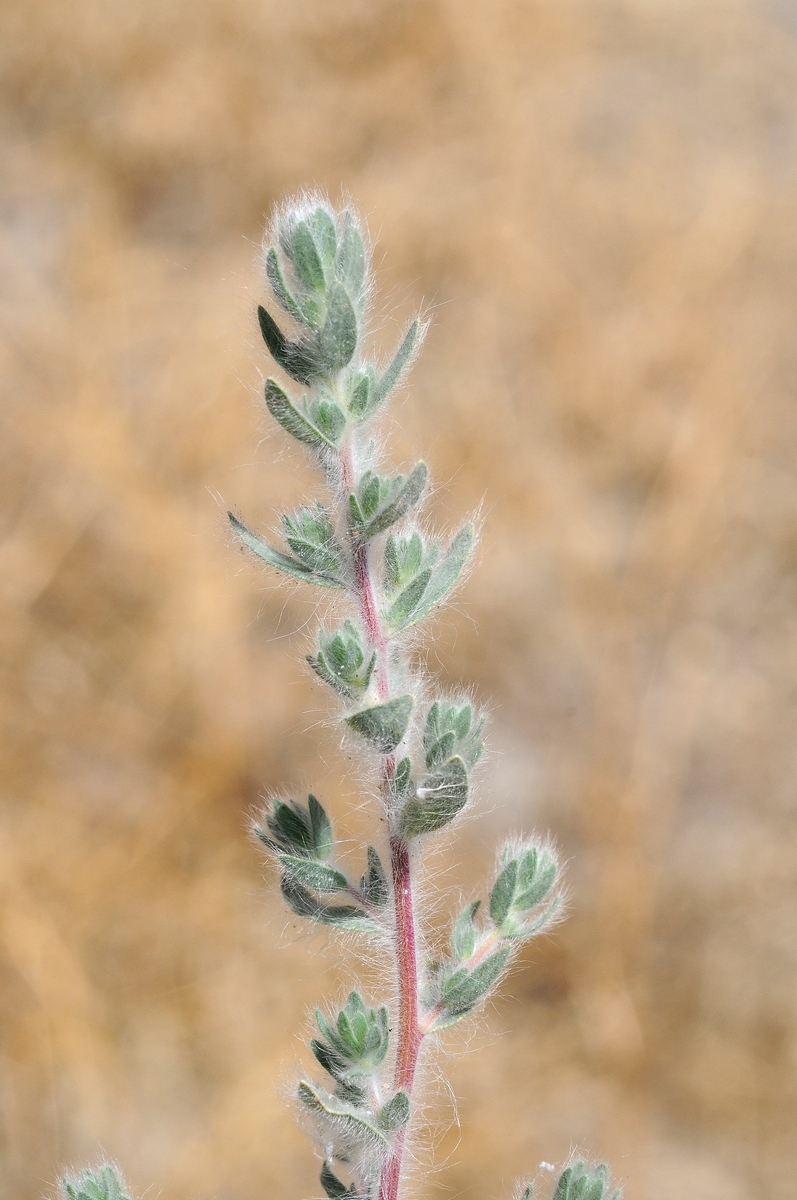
(343, 661)
(579, 1181)
(481, 950)
(452, 743)
(97, 1183)
(302, 840)
(419, 577)
(317, 557)
(355, 1045)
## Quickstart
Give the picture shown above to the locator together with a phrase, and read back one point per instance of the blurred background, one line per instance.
(596, 198)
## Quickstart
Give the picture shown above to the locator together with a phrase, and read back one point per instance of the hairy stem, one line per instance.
(410, 1035)
(409, 1032)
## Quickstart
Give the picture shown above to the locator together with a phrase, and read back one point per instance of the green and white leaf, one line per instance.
(395, 1113)
(440, 797)
(383, 725)
(297, 423)
(350, 1121)
(379, 503)
(315, 875)
(96, 1183)
(305, 904)
(444, 577)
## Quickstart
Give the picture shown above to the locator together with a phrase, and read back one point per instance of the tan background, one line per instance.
(598, 199)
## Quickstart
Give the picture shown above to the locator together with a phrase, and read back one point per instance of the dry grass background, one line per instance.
(599, 199)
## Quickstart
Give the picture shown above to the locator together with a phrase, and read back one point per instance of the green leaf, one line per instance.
(395, 1113)
(280, 288)
(404, 557)
(297, 359)
(357, 1040)
(96, 1183)
(503, 893)
(361, 385)
(393, 373)
(341, 661)
(324, 235)
(402, 496)
(440, 797)
(464, 989)
(444, 577)
(305, 904)
(405, 604)
(527, 876)
(339, 333)
(292, 420)
(282, 562)
(327, 417)
(374, 885)
(330, 1060)
(350, 261)
(333, 1187)
(322, 838)
(383, 725)
(298, 831)
(349, 1120)
(315, 875)
(401, 785)
(463, 938)
(306, 259)
(580, 1182)
(310, 535)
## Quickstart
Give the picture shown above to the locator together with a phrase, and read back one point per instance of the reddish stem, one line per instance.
(410, 1035)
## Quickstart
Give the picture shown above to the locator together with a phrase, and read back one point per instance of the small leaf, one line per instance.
(322, 837)
(374, 885)
(97, 1183)
(297, 359)
(341, 661)
(360, 387)
(393, 373)
(437, 801)
(503, 893)
(280, 288)
(294, 422)
(580, 1182)
(463, 938)
(383, 725)
(401, 786)
(353, 1122)
(306, 259)
(298, 831)
(350, 261)
(395, 1113)
(404, 558)
(315, 875)
(339, 333)
(405, 604)
(333, 1187)
(282, 562)
(305, 904)
(466, 988)
(444, 577)
(330, 1060)
(324, 235)
(310, 535)
(399, 505)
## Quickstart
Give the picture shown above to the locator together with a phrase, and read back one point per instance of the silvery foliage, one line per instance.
(317, 263)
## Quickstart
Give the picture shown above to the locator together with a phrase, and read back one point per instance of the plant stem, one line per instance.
(410, 1035)
(409, 1032)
